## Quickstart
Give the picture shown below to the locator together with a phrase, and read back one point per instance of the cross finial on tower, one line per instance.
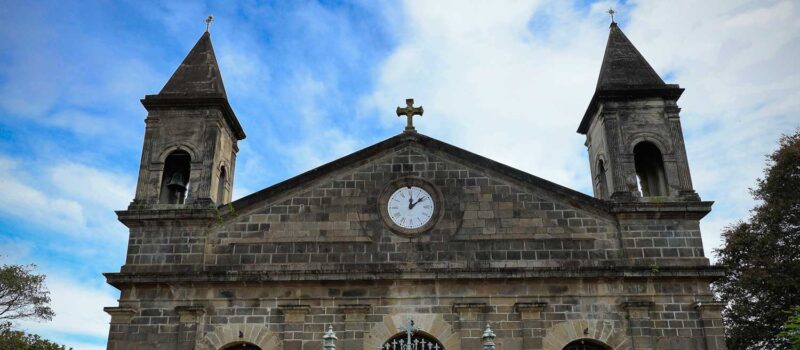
(409, 111)
(209, 19)
(611, 13)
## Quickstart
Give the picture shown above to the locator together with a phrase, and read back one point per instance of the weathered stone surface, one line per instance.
(542, 264)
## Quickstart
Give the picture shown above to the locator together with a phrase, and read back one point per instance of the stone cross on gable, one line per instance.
(409, 111)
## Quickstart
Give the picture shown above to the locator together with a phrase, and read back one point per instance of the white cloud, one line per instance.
(512, 83)
(490, 85)
(89, 185)
(31, 204)
(68, 197)
(79, 310)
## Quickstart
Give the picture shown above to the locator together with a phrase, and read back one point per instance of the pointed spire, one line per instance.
(625, 74)
(198, 75)
(197, 83)
(623, 66)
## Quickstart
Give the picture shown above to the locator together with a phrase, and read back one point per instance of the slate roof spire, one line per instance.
(198, 74)
(197, 83)
(625, 75)
(623, 66)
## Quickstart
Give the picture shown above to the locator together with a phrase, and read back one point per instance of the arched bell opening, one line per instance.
(652, 180)
(175, 181)
(241, 346)
(586, 344)
(419, 341)
(223, 181)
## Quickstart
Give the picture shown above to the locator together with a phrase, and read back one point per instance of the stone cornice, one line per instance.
(120, 314)
(661, 210)
(145, 217)
(155, 102)
(121, 279)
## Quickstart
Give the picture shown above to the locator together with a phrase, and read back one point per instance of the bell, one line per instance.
(176, 182)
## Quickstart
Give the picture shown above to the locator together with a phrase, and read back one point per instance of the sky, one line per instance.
(314, 81)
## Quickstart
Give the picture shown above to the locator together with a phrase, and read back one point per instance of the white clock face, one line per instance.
(410, 207)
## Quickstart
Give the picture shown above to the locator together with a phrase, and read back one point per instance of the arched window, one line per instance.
(585, 344)
(175, 181)
(223, 180)
(650, 170)
(602, 181)
(241, 346)
(419, 340)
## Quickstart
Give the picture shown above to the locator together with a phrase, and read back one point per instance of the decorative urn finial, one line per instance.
(329, 339)
(488, 338)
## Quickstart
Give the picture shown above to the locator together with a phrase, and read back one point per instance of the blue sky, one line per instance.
(314, 81)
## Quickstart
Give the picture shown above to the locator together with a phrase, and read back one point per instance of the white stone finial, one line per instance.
(488, 338)
(329, 339)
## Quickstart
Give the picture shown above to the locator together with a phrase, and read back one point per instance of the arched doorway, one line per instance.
(241, 346)
(419, 341)
(585, 344)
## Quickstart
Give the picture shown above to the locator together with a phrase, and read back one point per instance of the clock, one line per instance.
(410, 206)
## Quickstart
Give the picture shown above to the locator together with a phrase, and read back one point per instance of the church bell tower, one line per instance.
(191, 135)
(633, 130)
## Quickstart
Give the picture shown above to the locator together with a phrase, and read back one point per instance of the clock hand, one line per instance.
(409, 202)
(415, 203)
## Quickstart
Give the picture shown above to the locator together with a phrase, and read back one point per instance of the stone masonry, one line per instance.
(544, 265)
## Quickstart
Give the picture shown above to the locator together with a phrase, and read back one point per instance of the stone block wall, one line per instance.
(334, 224)
(201, 132)
(618, 126)
(525, 314)
(662, 242)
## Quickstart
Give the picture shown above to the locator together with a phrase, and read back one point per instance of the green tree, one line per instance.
(23, 295)
(762, 257)
(791, 330)
(18, 340)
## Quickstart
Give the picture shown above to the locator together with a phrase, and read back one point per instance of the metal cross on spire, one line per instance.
(409, 327)
(611, 13)
(409, 111)
(209, 19)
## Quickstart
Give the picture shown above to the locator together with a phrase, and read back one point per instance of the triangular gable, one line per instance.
(365, 155)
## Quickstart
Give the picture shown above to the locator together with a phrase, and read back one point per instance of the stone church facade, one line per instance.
(546, 267)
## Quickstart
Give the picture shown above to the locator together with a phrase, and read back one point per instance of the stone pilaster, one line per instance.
(640, 324)
(294, 313)
(470, 323)
(469, 314)
(190, 321)
(120, 324)
(711, 319)
(355, 312)
(120, 315)
(355, 316)
(530, 316)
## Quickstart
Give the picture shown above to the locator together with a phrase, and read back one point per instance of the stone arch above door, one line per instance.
(433, 325)
(230, 334)
(605, 332)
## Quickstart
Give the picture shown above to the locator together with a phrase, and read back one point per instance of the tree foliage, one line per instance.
(762, 257)
(18, 340)
(791, 330)
(23, 294)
